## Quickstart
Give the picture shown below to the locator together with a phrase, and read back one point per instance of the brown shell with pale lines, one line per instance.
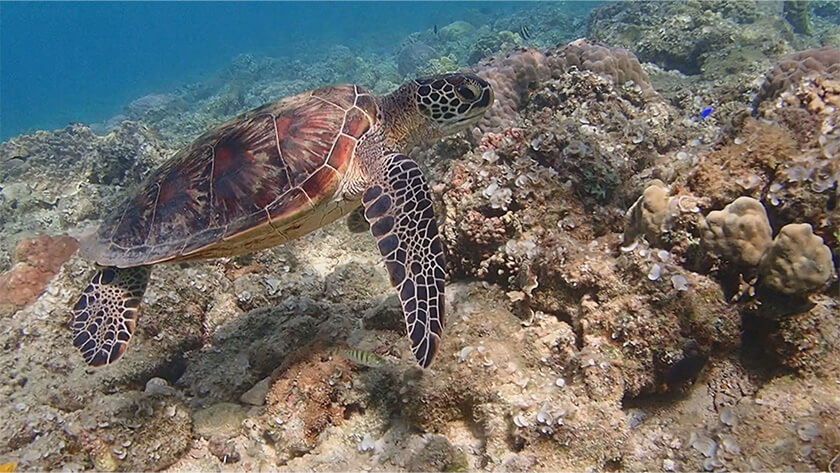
(255, 182)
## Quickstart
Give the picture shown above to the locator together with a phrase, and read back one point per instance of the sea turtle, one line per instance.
(274, 174)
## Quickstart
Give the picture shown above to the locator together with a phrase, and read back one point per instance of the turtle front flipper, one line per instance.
(398, 207)
(106, 313)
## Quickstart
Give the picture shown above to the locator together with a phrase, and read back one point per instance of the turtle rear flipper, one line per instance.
(106, 313)
(398, 207)
(356, 222)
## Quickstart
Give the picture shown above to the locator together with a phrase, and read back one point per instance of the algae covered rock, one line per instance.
(797, 262)
(796, 13)
(740, 233)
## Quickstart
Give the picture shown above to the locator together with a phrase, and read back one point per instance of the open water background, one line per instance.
(67, 62)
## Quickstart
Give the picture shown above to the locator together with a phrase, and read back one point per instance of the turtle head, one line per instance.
(441, 105)
(452, 102)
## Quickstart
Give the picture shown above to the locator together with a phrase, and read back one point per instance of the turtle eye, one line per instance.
(468, 92)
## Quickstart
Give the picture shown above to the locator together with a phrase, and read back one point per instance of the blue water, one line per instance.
(83, 62)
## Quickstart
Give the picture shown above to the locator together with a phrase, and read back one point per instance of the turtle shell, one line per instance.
(253, 183)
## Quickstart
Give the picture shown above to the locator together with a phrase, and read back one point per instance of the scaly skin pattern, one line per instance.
(398, 206)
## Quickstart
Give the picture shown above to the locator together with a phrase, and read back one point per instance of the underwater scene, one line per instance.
(420, 236)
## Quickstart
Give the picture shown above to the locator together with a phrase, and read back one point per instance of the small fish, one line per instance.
(435, 30)
(706, 113)
(524, 33)
(363, 357)
(10, 467)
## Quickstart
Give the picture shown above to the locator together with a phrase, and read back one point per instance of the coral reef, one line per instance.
(52, 182)
(587, 328)
(715, 39)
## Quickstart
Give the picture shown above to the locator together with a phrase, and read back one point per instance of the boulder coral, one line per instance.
(792, 67)
(740, 233)
(797, 262)
(412, 56)
(616, 63)
(511, 77)
(650, 214)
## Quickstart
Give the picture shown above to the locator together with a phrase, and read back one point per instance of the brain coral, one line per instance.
(792, 67)
(740, 233)
(797, 261)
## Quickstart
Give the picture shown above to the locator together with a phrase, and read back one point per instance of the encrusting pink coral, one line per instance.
(37, 261)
